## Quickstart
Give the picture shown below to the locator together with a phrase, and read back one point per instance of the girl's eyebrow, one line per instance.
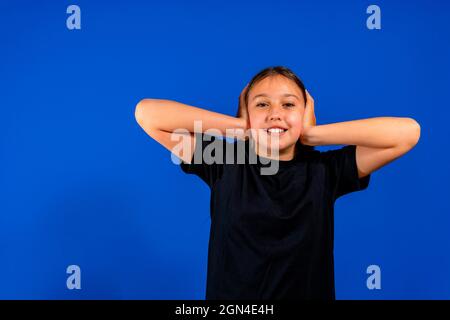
(283, 95)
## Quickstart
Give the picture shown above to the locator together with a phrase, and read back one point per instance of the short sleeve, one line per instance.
(208, 158)
(342, 171)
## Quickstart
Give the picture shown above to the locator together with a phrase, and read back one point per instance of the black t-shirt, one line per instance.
(271, 236)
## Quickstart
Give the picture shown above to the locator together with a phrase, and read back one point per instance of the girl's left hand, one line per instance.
(309, 118)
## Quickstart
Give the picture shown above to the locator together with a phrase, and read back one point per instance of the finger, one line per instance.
(309, 101)
(245, 89)
(306, 116)
(309, 97)
(309, 116)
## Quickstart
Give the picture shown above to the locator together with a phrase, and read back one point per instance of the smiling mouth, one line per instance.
(275, 131)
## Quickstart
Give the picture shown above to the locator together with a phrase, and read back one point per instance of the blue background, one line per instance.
(81, 183)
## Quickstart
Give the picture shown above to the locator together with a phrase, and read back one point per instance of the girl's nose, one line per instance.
(274, 113)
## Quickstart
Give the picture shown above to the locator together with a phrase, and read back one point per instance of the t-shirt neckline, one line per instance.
(264, 161)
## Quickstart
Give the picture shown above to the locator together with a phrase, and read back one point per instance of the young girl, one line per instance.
(272, 235)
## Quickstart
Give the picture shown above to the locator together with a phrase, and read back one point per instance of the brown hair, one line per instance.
(272, 71)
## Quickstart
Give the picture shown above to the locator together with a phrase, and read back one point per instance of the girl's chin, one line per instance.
(280, 141)
(281, 147)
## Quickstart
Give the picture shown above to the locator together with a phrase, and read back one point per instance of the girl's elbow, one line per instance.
(138, 111)
(143, 109)
(415, 135)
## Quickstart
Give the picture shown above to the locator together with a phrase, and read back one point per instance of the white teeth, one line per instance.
(275, 130)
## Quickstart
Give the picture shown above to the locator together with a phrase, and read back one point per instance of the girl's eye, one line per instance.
(262, 104)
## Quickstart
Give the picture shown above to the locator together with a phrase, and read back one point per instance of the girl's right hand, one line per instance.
(243, 113)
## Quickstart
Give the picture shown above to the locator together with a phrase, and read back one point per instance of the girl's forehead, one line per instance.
(274, 86)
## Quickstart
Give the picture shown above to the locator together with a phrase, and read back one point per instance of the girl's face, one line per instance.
(276, 102)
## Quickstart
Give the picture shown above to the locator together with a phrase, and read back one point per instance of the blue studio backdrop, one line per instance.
(81, 184)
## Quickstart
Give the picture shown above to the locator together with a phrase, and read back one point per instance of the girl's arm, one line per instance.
(378, 140)
(381, 132)
(160, 118)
